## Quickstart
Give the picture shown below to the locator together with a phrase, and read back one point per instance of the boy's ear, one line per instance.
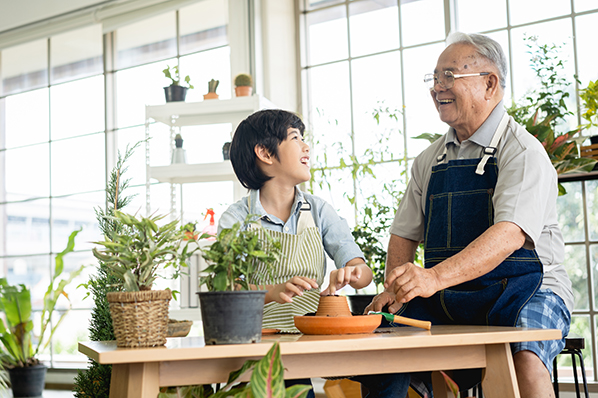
(263, 154)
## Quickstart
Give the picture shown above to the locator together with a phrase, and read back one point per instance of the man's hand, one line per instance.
(408, 281)
(284, 292)
(381, 300)
(340, 278)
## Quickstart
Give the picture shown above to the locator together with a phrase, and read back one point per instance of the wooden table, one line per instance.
(139, 372)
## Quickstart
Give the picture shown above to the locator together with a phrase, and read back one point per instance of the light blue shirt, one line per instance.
(334, 230)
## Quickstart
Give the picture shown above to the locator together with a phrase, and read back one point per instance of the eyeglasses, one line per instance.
(446, 79)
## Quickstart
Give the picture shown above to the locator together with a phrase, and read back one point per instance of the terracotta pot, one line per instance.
(210, 96)
(191, 235)
(243, 91)
(333, 306)
(337, 325)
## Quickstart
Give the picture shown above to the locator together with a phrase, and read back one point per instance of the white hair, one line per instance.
(485, 47)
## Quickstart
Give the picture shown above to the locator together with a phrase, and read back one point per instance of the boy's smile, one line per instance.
(293, 158)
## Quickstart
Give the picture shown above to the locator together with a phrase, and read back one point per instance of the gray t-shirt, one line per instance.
(525, 193)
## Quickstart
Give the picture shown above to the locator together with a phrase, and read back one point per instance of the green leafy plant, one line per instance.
(175, 77)
(266, 381)
(544, 111)
(589, 97)
(136, 253)
(15, 302)
(213, 85)
(235, 254)
(243, 79)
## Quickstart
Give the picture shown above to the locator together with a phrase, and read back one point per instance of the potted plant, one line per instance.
(267, 381)
(190, 231)
(134, 255)
(230, 311)
(243, 85)
(17, 355)
(176, 92)
(212, 86)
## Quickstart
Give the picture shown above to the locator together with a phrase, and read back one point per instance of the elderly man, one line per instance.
(482, 199)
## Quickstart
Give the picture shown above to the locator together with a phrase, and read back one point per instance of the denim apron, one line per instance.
(303, 255)
(458, 210)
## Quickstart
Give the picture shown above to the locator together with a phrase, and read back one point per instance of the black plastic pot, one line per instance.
(358, 302)
(175, 93)
(594, 139)
(226, 151)
(28, 381)
(232, 317)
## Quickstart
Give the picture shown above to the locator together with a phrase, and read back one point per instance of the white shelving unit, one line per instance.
(180, 114)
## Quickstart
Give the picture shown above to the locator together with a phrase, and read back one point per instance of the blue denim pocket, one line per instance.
(471, 307)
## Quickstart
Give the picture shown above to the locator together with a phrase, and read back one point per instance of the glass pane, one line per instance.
(481, 15)
(137, 87)
(414, 28)
(337, 185)
(73, 328)
(576, 265)
(330, 113)
(74, 261)
(311, 4)
(78, 165)
(203, 25)
(76, 54)
(136, 164)
(327, 35)
(146, 41)
(580, 326)
(205, 66)
(594, 262)
(587, 60)
(77, 107)
(27, 174)
(374, 26)
(24, 67)
(29, 270)
(570, 212)
(422, 116)
(27, 228)
(585, 5)
(557, 33)
(203, 144)
(592, 207)
(386, 183)
(377, 94)
(535, 10)
(27, 118)
(199, 197)
(159, 199)
(74, 212)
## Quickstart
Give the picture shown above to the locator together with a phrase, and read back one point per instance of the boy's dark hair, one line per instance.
(267, 128)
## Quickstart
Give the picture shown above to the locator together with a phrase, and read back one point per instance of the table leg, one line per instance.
(135, 380)
(439, 386)
(500, 380)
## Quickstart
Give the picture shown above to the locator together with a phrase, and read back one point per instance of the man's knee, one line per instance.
(529, 365)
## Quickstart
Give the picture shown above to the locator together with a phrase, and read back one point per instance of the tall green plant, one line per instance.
(266, 381)
(94, 382)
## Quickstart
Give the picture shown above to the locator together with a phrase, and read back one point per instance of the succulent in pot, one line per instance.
(243, 85)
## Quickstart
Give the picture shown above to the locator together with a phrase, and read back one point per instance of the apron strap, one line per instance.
(490, 150)
(306, 220)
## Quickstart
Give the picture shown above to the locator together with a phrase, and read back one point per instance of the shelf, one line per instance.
(201, 172)
(207, 112)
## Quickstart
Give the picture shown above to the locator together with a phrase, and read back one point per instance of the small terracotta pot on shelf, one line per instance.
(210, 96)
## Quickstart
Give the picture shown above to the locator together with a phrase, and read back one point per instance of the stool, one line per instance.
(573, 346)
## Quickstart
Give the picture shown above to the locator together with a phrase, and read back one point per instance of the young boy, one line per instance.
(270, 158)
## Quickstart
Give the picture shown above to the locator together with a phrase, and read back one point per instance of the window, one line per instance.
(361, 56)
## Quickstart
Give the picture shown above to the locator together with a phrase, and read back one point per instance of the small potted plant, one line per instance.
(212, 86)
(135, 255)
(243, 85)
(17, 355)
(190, 231)
(231, 312)
(176, 92)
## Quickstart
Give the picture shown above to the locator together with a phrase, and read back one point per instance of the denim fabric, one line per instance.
(393, 385)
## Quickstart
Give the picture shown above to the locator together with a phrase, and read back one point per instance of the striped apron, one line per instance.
(303, 255)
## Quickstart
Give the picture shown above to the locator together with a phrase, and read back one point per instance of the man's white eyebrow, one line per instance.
(445, 69)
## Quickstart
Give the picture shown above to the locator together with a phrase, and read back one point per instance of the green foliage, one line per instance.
(543, 111)
(213, 85)
(589, 97)
(428, 136)
(243, 79)
(266, 381)
(176, 79)
(15, 302)
(135, 254)
(235, 254)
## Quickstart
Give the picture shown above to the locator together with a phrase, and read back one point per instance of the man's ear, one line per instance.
(492, 86)
(263, 154)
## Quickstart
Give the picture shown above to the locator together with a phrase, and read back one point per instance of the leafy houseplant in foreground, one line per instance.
(231, 311)
(134, 255)
(17, 353)
(267, 381)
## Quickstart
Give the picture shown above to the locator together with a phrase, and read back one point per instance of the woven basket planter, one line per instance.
(139, 319)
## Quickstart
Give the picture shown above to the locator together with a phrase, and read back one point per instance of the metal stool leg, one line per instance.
(575, 374)
(583, 372)
(555, 378)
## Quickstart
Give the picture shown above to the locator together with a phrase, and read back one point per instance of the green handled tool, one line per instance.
(404, 321)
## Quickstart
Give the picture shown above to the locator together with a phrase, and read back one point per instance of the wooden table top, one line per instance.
(191, 348)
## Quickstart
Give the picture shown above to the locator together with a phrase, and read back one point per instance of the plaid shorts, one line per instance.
(545, 310)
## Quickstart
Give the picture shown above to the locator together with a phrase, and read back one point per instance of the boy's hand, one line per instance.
(284, 292)
(340, 278)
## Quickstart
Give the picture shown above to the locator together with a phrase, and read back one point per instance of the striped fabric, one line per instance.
(303, 256)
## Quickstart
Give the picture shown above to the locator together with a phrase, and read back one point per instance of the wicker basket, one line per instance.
(139, 319)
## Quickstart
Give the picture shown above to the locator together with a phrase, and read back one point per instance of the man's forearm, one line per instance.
(400, 251)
